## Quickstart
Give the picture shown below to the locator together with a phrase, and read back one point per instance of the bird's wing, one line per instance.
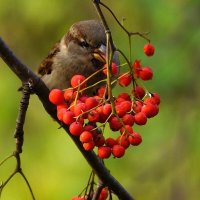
(46, 65)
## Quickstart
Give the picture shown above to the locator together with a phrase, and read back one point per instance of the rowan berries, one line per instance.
(56, 96)
(149, 49)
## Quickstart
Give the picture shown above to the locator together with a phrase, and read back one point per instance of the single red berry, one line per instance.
(104, 152)
(126, 105)
(114, 69)
(156, 97)
(91, 102)
(88, 146)
(102, 91)
(124, 80)
(110, 142)
(107, 109)
(76, 128)
(88, 127)
(146, 73)
(150, 110)
(68, 117)
(149, 49)
(135, 139)
(139, 92)
(118, 151)
(125, 96)
(56, 96)
(68, 94)
(86, 136)
(115, 124)
(93, 116)
(119, 100)
(77, 80)
(128, 119)
(140, 118)
(120, 110)
(136, 67)
(103, 194)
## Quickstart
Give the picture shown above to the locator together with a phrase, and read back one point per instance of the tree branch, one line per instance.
(26, 74)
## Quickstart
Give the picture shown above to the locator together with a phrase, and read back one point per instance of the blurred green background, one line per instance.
(167, 164)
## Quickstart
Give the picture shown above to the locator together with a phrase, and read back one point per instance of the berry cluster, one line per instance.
(87, 116)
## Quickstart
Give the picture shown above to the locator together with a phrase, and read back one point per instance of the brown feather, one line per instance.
(46, 65)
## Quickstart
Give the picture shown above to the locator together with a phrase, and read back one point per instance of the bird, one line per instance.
(82, 50)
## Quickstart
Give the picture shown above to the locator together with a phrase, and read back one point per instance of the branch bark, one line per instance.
(25, 74)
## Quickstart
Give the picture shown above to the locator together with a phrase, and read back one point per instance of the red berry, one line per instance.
(125, 96)
(119, 100)
(128, 119)
(103, 194)
(156, 97)
(102, 91)
(77, 80)
(76, 128)
(115, 124)
(104, 152)
(149, 49)
(146, 73)
(120, 110)
(150, 110)
(135, 139)
(86, 136)
(110, 142)
(126, 105)
(88, 127)
(125, 80)
(136, 66)
(68, 94)
(140, 118)
(56, 96)
(88, 146)
(118, 151)
(68, 117)
(93, 116)
(91, 102)
(107, 109)
(139, 92)
(114, 69)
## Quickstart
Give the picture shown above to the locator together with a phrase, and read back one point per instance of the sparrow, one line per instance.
(82, 50)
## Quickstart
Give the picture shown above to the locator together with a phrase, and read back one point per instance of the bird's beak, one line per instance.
(100, 53)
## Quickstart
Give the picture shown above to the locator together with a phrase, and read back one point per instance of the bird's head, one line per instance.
(87, 39)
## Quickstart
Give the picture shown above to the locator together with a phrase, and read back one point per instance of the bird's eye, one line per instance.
(84, 44)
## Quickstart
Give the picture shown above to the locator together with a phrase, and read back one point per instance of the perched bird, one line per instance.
(80, 51)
